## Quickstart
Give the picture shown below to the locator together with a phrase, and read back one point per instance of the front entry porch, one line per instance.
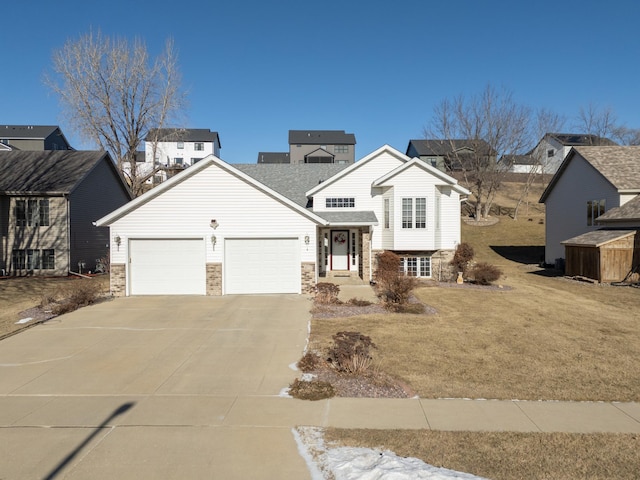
(344, 255)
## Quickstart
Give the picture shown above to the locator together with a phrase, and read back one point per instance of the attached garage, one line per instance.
(262, 265)
(167, 266)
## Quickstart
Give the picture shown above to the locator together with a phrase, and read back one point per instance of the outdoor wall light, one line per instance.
(117, 241)
(306, 239)
(214, 240)
(214, 224)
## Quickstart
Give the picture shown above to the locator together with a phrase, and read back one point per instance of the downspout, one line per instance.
(68, 242)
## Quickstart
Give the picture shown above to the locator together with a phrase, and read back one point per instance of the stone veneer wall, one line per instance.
(440, 268)
(374, 261)
(365, 256)
(118, 280)
(214, 279)
(308, 276)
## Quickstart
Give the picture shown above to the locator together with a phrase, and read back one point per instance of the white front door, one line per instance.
(340, 250)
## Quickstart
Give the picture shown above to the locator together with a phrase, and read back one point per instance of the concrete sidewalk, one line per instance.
(188, 388)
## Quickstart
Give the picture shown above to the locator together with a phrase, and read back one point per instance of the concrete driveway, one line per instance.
(156, 387)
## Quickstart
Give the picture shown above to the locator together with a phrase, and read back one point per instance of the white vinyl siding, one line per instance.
(566, 204)
(186, 210)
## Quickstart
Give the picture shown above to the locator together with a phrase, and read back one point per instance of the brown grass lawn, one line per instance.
(509, 456)
(18, 294)
(539, 337)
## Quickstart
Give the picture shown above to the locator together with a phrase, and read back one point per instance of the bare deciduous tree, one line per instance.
(599, 121)
(491, 118)
(113, 93)
(544, 121)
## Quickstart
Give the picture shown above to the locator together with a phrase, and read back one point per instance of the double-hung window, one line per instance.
(32, 212)
(595, 208)
(198, 146)
(414, 212)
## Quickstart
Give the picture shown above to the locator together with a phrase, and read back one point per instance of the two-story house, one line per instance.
(315, 146)
(553, 148)
(48, 201)
(168, 150)
(33, 137)
(282, 228)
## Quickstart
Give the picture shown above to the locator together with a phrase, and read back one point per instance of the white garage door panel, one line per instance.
(167, 267)
(262, 265)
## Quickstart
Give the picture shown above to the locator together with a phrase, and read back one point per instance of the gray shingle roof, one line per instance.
(292, 181)
(40, 172)
(182, 135)
(364, 217)
(27, 131)
(627, 212)
(598, 237)
(619, 165)
(321, 137)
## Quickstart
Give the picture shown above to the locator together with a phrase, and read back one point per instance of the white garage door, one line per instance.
(262, 265)
(167, 267)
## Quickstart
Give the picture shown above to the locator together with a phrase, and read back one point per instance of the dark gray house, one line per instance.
(33, 137)
(315, 146)
(48, 203)
(450, 155)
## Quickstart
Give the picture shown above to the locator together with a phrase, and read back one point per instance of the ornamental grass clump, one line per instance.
(327, 293)
(350, 352)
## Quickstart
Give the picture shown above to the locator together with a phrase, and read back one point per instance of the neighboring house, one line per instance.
(48, 201)
(282, 228)
(553, 148)
(273, 157)
(590, 182)
(521, 164)
(449, 155)
(33, 137)
(172, 149)
(315, 146)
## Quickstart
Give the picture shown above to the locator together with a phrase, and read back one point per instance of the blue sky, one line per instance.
(254, 70)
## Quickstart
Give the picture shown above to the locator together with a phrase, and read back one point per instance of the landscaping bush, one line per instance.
(327, 293)
(309, 362)
(485, 273)
(350, 352)
(462, 258)
(313, 390)
(394, 287)
(73, 295)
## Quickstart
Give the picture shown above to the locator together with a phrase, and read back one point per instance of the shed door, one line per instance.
(262, 265)
(167, 267)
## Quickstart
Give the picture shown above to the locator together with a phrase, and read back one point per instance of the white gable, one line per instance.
(186, 207)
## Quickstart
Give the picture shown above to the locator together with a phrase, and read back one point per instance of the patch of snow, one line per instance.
(24, 320)
(284, 393)
(308, 377)
(347, 463)
(294, 366)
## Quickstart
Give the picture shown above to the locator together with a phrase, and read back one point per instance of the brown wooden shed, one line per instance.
(603, 255)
